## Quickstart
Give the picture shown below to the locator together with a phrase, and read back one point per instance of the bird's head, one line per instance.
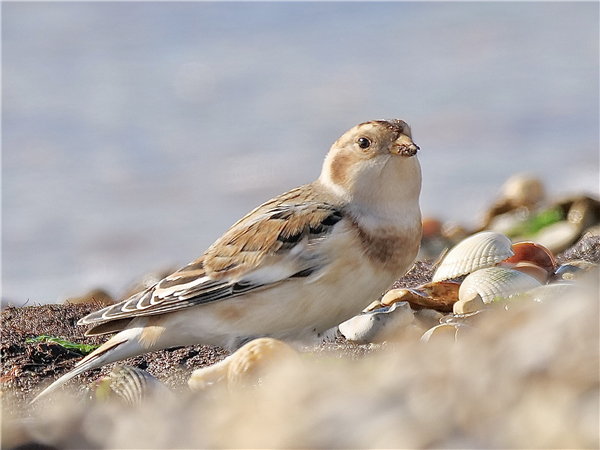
(374, 164)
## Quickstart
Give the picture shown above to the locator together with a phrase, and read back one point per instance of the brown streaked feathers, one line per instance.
(267, 232)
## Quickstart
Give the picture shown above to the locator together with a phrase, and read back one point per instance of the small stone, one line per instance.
(524, 190)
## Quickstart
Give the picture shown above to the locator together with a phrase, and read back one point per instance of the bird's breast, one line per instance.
(390, 247)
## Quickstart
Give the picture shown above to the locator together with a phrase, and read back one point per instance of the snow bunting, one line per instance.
(294, 267)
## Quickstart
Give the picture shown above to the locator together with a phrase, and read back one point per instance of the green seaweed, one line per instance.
(81, 348)
(536, 222)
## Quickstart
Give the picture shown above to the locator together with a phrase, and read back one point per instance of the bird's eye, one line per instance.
(363, 142)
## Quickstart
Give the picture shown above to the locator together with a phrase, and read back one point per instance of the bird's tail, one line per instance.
(119, 347)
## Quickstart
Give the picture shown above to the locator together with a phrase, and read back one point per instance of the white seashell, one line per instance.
(495, 282)
(130, 384)
(248, 366)
(379, 325)
(252, 363)
(485, 249)
(472, 304)
(205, 377)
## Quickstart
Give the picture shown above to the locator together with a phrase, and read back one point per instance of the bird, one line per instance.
(291, 269)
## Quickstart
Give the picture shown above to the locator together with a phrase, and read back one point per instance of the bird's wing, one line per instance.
(275, 242)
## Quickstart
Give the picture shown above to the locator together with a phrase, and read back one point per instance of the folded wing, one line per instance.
(277, 241)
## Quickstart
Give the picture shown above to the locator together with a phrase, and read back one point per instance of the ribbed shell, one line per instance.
(495, 282)
(253, 361)
(132, 384)
(485, 249)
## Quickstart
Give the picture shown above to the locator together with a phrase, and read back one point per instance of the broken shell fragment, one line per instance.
(534, 253)
(379, 325)
(375, 304)
(436, 295)
(479, 251)
(533, 259)
(444, 331)
(495, 283)
(470, 305)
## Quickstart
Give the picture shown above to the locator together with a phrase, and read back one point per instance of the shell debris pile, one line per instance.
(482, 271)
(523, 212)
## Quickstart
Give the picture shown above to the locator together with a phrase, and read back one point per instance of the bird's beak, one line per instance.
(404, 146)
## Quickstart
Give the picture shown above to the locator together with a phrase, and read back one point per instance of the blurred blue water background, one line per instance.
(134, 134)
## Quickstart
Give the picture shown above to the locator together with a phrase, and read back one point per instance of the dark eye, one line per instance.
(363, 142)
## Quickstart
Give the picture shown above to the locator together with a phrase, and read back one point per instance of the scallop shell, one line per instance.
(130, 384)
(205, 377)
(248, 366)
(495, 282)
(484, 249)
(252, 362)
